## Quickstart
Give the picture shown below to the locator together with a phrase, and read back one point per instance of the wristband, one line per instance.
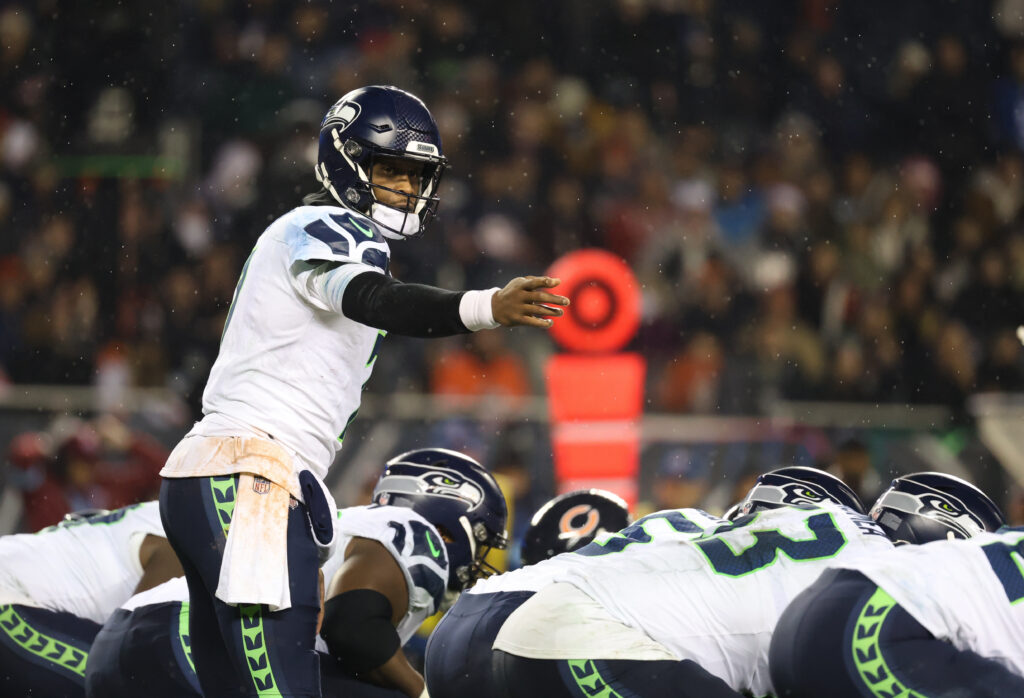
(475, 310)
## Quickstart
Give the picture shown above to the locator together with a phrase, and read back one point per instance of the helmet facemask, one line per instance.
(481, 543)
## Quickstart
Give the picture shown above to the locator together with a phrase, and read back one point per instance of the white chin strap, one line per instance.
(402, 225)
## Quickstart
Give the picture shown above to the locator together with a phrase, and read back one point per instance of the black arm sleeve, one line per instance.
(414, 310)
(357, 629)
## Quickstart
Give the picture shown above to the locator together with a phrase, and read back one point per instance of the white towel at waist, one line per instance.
(255, 564)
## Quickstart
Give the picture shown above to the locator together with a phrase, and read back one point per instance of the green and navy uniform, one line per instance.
(145, 648)
(709, 595)
(941, 619)
(56, 587)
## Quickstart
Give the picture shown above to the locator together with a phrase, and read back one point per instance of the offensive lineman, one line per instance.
(937, 620)
(313, 302)
(680, 603)
(59, 585)
(390, 572)
(716, 600)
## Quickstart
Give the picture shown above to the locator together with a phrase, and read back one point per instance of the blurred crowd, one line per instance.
(822, 198)
(76, 465)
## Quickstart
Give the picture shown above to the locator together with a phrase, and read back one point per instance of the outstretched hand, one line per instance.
(522, 301)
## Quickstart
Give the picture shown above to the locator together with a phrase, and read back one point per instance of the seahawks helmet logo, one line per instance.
(342, 113)
(933, 504)
(450, 483)
(799, 493)
(784, 494)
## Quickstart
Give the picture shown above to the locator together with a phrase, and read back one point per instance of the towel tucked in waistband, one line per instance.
(255, 564)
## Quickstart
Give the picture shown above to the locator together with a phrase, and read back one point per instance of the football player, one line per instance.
(59, 585)
(572, 520)
(313, 303)
(941, 619)
(436, 514)
(678, 604)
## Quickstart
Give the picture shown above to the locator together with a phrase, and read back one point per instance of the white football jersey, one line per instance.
(290, 364)
(413, 542)
(661, 527)
(87, 567)
(968, 592)
(171, 591)
(715, 599)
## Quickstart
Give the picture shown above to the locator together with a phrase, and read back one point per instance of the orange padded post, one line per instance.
(596, 393)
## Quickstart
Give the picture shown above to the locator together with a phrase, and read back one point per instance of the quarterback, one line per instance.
(243, 500)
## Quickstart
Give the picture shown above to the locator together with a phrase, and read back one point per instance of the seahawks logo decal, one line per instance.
(797, 493)
(342, 114)
(449, 482)
(950, 511)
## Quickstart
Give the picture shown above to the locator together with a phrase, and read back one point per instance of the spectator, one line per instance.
(483, 366)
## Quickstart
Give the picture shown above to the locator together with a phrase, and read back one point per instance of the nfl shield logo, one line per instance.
(261, 485)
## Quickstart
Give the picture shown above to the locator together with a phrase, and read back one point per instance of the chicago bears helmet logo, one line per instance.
(573, 532)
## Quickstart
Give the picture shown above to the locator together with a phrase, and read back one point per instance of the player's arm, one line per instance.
(418, 310)
(367, 598)
(159, 563)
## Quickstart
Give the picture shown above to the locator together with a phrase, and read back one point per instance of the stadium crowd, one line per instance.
(820, 205)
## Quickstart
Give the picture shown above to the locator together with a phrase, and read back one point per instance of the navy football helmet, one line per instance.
(459, 497)
(371, 123)
(798, 484)
(923, 507)
(570, 521)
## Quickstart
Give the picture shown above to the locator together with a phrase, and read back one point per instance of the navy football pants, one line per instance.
(43, 653)
(243, 650)
(147, 652)
(460, 662)
(144, 652)
(520, 677)
(844, 637)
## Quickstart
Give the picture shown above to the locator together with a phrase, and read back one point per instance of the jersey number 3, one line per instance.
(828, 540)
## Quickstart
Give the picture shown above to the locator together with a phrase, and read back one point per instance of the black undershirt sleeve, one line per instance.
(413, 310)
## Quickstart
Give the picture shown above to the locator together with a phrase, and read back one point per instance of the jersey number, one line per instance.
(828, 540)
(1007, 562)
